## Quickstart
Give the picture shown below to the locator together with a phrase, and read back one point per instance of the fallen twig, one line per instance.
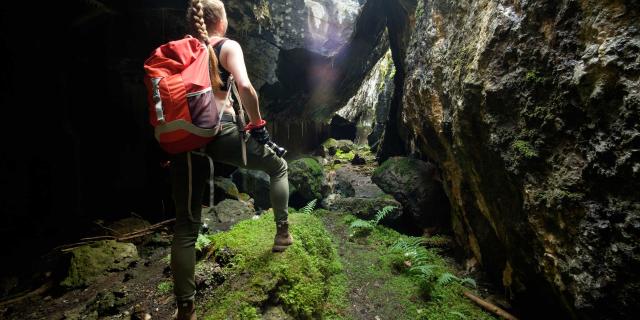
(23, 296)
(489, 306)
(131, 235)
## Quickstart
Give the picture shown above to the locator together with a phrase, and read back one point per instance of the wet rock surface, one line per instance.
(531, 111)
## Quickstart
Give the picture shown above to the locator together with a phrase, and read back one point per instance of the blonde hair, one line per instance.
(200, 14)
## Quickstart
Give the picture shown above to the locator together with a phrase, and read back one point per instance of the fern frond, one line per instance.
(420, 257)
(308, 209)
(361, 224)
(383, 213)
(468, 281)
(402, 245)
(447, 278)
(424, 271)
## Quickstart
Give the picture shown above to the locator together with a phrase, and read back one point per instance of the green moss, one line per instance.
(249, 312)
(419, 9)
(401, 165)
(533, 76)
(90, 261)
(314, 165)
(556, 198)
(165, 287)
(331, 142)
(305, 279)
(347, 156)
(305, 179)
(387, 70)
(525, 149)
(373, 265)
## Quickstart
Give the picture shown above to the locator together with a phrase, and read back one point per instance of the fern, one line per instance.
(468, 281)
(308, 209)
(360, 227)
(383, 213)
(425, 271)
(405, 246)
(447, 278)
(361, 224)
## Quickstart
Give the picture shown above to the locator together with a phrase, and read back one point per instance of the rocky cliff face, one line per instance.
(531, 109)
(368, 109)
(308, 56)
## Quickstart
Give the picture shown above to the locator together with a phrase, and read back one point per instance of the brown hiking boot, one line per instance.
(186, 311)
(283, 239)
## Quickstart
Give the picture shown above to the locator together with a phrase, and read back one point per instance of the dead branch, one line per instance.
(128, 236)
(489, 306)
(21, 296)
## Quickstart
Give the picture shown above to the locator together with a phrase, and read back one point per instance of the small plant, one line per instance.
(345, 156)
(362, 227)
(308, 209)
(533, 76)
(202, 242)
(167, 259)
(525, 148)
(165, 287)
(420, 261)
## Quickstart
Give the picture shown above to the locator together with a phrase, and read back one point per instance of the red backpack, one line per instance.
(182, 108)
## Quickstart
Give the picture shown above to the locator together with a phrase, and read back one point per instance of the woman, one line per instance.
(190, 171)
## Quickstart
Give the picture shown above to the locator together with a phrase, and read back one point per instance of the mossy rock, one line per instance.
(91, 261)
(412, 182)
(233, 211)
(331, 147)
(306, 178)
(224, 188)
(306, 280)
(365, 208)
(255, 183)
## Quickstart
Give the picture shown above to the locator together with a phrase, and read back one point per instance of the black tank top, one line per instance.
(224, 74)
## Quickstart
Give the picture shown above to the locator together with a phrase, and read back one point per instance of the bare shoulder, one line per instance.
(232, 46)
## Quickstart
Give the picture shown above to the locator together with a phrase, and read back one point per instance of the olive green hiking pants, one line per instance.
(189, 174)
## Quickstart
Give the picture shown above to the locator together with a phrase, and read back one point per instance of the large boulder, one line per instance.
(255, 183)
(364, 208)
(412, 183)
(89, 262)
(331, 147)
(229, 212)
(306, 179)
(531, 109)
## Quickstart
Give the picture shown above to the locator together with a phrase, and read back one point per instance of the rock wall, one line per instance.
(368, 109)
(531, 110)
(308, 56)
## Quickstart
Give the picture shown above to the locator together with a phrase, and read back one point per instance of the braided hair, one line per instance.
(199, 14)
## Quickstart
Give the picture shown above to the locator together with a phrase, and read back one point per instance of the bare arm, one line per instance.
(232, 59)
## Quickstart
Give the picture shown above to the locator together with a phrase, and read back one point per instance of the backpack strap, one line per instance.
(240, 120)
